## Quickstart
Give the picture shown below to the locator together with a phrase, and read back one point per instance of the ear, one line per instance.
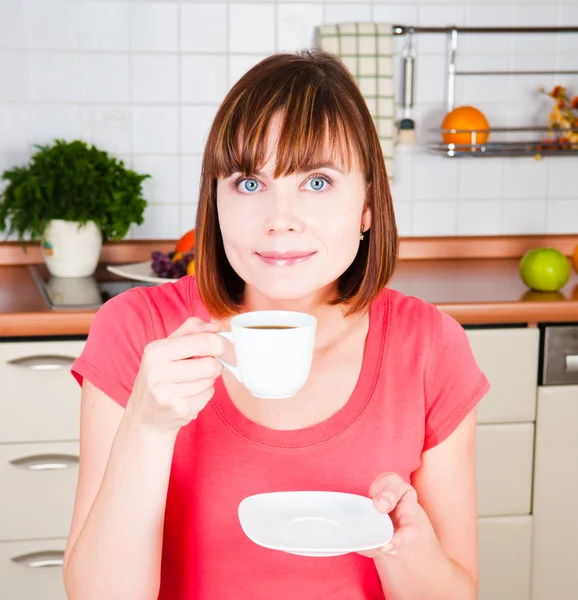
(366, 214)
(366, 219)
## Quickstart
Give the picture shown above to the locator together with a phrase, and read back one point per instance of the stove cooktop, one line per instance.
(80, 293)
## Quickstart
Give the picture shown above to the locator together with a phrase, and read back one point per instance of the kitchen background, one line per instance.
(142, 80)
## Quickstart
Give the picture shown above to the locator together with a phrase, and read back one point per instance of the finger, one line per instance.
(190, 390)
(199, 401)
(387, 490)
(184, 400)
(192, 369)
(404, 518)
(185, 346)
(404, 536)
(194, 325)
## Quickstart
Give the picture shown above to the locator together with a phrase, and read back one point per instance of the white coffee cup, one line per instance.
(274, 350)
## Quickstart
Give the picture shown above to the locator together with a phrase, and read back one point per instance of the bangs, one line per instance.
(314, 130)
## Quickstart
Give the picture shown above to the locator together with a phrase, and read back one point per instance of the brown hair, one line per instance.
(318, 100)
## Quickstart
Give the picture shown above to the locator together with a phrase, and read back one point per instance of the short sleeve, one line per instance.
(456, 383)
(116, 341)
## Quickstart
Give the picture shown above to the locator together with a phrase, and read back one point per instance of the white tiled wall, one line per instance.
(143, 79)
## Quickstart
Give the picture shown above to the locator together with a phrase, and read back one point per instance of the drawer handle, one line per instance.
(45, 462)
(43, 362)
(572, 362)
(42, 559)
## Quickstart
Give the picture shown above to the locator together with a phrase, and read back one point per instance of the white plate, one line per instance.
(314, 523)
(139, 272)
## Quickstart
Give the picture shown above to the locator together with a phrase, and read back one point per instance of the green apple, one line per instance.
(544, 269)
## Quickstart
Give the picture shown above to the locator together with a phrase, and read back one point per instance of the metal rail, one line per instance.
(402, 29)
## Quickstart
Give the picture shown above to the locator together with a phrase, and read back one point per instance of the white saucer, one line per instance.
(314, 523)
(139, 272)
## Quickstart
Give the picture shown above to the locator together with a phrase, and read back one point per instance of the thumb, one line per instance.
(194, 325)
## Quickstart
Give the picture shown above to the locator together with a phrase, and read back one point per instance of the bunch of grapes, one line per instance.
(165, 265)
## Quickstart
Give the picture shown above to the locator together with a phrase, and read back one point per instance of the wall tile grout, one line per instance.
(449, 187)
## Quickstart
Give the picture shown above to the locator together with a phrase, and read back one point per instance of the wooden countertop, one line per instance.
(473, 290)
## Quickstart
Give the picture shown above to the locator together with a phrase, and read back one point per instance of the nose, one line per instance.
(283, 213)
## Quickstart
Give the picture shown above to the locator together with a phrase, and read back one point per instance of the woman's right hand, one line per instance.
(176, 377)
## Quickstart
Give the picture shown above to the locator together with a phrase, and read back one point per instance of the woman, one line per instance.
(294, 213)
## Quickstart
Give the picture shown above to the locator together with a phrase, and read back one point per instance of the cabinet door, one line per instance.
(555, 562)
(38, 484)
(39, 399)
(504, 460)
(32, 570)
(505, 553)
(509, 358)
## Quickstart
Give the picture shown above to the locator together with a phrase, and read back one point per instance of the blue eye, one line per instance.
(249, 185)
(317, 183)
(245, 185)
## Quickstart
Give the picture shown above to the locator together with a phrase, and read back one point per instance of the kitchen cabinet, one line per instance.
(38, 488)
(509, 357)
(39, 398)
(505, 554)
(39, 449)
(505, 454)
(555, 514)
(504, 469)
(31, 570)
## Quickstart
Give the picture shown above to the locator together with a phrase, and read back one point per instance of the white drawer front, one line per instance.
(505, 551)
(32, 570)
(509, 358)
(504, 469)
(555, 558)
(39, 399)
(37, 490)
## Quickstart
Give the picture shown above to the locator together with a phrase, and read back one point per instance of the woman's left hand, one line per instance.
(392, 495)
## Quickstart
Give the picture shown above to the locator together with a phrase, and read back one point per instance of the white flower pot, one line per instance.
(71, 250)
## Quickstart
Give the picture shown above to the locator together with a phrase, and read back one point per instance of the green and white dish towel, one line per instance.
(367, 50)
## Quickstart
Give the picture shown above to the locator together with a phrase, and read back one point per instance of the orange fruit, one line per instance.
(465, 117)
(575, 259)
(187, 242)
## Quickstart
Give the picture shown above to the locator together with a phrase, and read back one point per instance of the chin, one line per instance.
(287, 292)
(287, 289)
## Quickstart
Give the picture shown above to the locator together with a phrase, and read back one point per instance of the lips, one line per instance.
(284, 259)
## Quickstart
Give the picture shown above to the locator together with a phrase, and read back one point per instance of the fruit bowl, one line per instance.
(163, 267)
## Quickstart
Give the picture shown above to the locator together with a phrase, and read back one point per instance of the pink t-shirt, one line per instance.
(418, 381)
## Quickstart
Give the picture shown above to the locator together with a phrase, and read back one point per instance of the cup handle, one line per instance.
(228, 335)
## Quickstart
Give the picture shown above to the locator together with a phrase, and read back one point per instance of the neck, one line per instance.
(331, 320)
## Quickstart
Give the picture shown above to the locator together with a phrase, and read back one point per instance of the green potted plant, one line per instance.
(72, 198)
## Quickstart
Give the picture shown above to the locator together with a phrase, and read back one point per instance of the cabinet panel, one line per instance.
(504, 457)
(509, 358)
(505, 553)
(555, 562)
(36, 574)
(37, 490)
(39, 399)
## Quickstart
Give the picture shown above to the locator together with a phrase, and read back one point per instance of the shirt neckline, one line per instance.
(334, 425)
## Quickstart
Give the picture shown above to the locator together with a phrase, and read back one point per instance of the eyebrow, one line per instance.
(311, 167)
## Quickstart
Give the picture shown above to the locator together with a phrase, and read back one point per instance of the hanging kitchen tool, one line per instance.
(407, 125)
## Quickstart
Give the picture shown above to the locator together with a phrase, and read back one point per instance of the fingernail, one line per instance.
(388, 549)
(384, 503)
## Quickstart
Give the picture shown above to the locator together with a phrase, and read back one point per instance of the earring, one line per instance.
(361, 236)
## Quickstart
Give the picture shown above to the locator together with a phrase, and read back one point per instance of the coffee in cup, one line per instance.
(274, 350)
